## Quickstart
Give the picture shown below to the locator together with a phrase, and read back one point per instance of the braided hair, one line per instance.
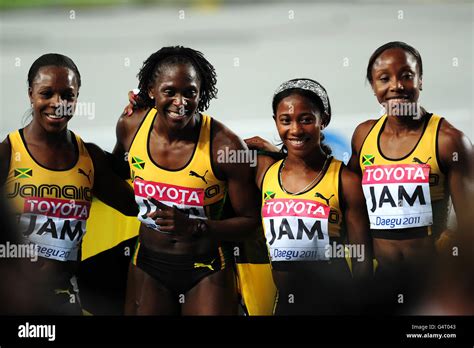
(172, 55)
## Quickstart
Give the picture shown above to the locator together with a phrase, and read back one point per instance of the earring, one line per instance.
(152, 97)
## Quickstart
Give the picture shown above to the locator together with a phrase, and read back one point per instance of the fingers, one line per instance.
(128, 110)
(165, 225)
(256, 143)
(136, 91)
(253, 140)
(132, 102)
(131, 97)
(170, 219)
(158, 204)
(160, 214)
(166, 228)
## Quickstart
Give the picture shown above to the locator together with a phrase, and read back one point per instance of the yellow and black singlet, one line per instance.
(52, 206)
(408, 192)
(193, 189)
(302, 227)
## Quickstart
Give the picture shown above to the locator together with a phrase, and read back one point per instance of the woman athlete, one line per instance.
(412, 161)
(49, 176)
(312, 207)
(181, 264)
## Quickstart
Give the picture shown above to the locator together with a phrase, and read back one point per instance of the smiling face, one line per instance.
(396, 81)
(298, 121)
(53, 95)
(176, 93)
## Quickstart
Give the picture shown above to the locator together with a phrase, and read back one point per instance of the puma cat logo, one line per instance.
(202, 177)
(199, 264)
(80, 171)
(417, 160)
(325, 199)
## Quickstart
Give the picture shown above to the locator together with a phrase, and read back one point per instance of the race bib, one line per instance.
(296, 229)
(188, 200)
(56, 226)
(398, 196)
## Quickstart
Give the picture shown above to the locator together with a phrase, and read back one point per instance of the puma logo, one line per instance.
(62, 291)
(325, 199)
(199, 264)
(417, 160)
(80, 171)
(202, 177)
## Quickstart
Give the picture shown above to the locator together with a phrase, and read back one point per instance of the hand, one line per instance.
(171, 220)
(259, 143)
(132, 102)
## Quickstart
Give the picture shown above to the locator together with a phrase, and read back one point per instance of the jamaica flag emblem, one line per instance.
(368, 160)
(268, 195)
(138, 163)
(23, 173)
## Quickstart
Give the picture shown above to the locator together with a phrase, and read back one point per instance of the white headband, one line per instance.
(307, 85)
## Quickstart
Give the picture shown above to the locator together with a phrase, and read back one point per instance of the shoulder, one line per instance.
(128, 124)
(226, 142)
(453, 144)
(4, 159)
(350, 190)
(5, 149)
(263, 165)
(361, 132)
(96, 153)
(223, 137)
(365, 126)
(348, 177)
(266, 161)
(450, 135)
(5, 146)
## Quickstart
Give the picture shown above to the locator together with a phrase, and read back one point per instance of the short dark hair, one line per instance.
(394, 44)
(178, 55)
(52, 59)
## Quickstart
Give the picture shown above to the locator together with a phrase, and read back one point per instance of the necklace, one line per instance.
(307, 186)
